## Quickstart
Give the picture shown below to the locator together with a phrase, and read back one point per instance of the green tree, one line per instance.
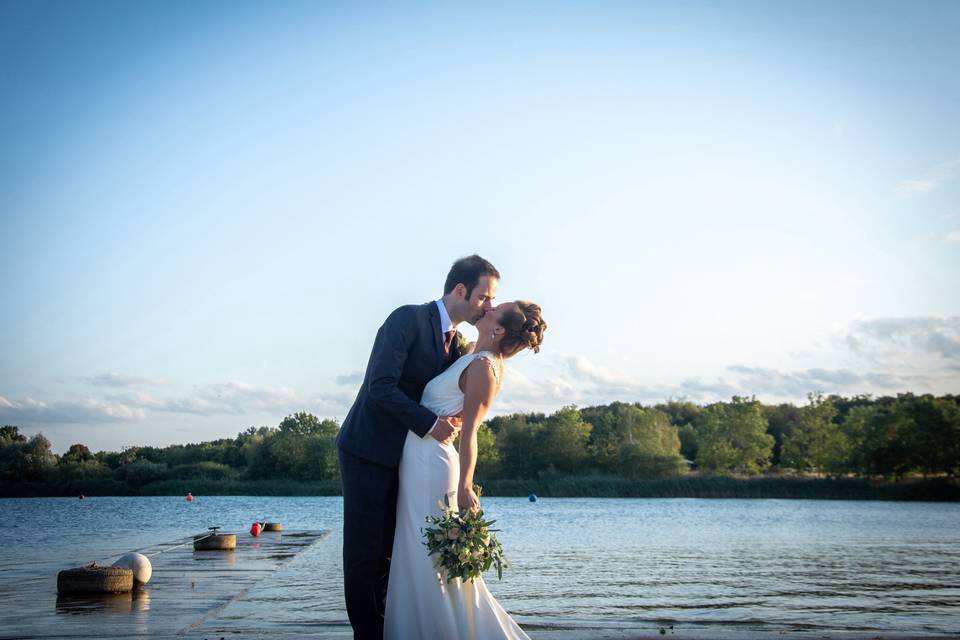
(488, 456)
(304, 424)
(606, 437)
(817, 444)
(680, 412)
(77, 453)
(140, 473)
(652, 445)
(930, 433)
(873, 433)
(10, 434)
(517, 447)
(82, 476)
(733, 438)
(562, 441)
(782, 420)
(305, 448)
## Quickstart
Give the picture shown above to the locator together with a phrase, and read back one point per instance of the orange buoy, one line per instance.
(255, 529)
(189, 497)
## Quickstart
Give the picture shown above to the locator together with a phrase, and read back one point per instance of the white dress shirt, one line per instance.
(446, 324)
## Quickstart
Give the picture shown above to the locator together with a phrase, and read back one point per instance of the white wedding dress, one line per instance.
(419, 604)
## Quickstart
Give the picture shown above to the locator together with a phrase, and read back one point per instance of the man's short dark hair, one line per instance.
(468, 271)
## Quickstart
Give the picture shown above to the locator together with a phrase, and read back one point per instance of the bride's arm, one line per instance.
(479, 389)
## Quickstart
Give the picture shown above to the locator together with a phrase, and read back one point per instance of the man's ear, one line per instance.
(460, 290)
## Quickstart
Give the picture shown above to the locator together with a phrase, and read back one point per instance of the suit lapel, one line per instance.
(437, 336)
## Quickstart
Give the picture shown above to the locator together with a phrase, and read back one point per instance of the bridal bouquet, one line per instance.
(463, 544)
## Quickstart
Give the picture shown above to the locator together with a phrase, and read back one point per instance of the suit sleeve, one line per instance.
(390, 351)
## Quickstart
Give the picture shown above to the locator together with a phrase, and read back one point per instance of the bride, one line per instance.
(419, 603)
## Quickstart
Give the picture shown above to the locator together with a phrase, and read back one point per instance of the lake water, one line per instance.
(765, 566)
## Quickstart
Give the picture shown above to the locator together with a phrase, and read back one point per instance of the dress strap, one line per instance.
(486, 355)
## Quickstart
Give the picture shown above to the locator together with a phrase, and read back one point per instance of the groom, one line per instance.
(414, 345)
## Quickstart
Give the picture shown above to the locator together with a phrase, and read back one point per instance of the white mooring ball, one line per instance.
(139, 563)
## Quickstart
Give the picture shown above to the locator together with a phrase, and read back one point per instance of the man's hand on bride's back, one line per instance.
(447, 429)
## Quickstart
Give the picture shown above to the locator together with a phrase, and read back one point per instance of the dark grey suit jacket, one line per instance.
(407, 353)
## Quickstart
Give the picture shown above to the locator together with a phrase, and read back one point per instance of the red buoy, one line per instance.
(81, 496)
(189, 497)
(255, 529)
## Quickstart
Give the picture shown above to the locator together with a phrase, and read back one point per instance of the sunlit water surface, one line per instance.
(759, 564)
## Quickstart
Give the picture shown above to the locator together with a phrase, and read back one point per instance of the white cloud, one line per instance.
(888, 339)
(887, 356)
(354, 378)
(584, 369)
(797, 384)
(87, 410)
(121, 381)
(934, 179)
(235, 398)
(521, 394)
(953, 237)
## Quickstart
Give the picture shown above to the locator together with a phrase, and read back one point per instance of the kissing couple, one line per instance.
(397, 459)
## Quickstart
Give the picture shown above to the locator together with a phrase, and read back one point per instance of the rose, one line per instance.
(453, 533)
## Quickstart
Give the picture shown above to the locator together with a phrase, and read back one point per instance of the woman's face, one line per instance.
(490, 321)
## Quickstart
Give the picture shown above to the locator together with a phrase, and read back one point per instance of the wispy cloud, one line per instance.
(234, 398)
(88, 410)
(118, 380)
(591, 377)
(796, 384)
(934, 179)
(953, 237)
(521, 394)
(350, 378)
(886, 356)
(878, 339)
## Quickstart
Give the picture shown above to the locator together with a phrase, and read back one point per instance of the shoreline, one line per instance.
(593, 486)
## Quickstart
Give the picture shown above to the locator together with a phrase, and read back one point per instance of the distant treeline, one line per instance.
(903, 447)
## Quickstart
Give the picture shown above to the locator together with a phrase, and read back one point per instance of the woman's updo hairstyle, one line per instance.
(524, 328)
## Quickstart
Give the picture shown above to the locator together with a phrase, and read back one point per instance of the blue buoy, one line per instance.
(532, 498)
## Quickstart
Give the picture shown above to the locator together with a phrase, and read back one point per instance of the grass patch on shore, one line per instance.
(939, 489)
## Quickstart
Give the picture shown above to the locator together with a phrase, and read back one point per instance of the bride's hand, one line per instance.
(467, 499)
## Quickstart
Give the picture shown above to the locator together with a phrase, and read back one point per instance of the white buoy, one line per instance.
(139, 564)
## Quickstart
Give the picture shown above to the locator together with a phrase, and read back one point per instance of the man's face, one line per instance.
(481, 298)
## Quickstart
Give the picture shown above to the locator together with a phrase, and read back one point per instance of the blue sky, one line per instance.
(208, 209)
